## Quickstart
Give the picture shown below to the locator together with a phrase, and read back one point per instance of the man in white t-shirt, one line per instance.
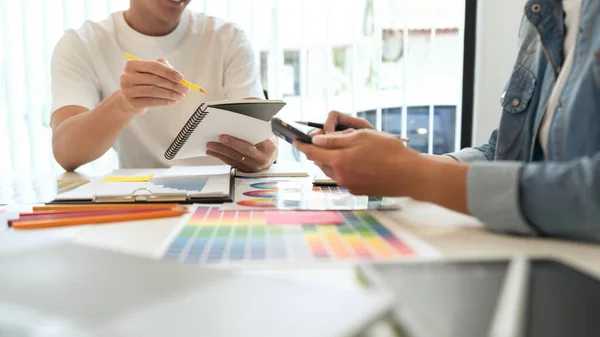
(102, 100)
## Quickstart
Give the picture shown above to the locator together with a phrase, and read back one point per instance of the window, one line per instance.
(443, 139)
(371, 116)
(397, 63)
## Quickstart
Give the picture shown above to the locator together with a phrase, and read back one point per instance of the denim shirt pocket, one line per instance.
(515, 102)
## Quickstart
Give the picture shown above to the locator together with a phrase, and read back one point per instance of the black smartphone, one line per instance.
(288, 132)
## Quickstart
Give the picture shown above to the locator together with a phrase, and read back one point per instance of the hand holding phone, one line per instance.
(288, 132)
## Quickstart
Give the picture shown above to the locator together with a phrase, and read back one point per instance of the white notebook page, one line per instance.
(222, 122)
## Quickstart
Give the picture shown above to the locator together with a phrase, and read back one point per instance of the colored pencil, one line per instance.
(91, 219)
(75, 214)
(100, 206)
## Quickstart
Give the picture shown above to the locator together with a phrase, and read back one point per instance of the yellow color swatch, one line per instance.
(128, 179)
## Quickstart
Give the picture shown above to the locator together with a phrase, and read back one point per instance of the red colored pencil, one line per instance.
(92, 219)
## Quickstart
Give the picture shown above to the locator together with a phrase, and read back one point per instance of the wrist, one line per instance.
(122, 105)
(119, 106)
(113, 108)
(443, 183)
(418, 174)
(441, 157)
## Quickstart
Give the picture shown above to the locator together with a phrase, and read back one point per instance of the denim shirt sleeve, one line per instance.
(478, 153)
(553, 199)
(562, 199)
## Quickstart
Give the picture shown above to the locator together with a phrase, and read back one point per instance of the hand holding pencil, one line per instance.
(339, 122)
(147, 84)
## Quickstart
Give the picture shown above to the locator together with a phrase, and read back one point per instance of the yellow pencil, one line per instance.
(184, 82)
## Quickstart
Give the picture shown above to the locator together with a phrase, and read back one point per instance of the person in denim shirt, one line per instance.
(539, 173)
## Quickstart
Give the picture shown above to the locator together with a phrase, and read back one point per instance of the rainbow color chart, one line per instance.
(212, 236)
(296, 195)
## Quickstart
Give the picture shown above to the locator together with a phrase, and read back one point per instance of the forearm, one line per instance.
(441, 158)
(86, 136)
(440, 181)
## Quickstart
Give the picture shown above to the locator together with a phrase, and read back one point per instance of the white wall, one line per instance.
(498, 24)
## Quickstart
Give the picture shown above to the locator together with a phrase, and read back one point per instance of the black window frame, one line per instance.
(468, 89)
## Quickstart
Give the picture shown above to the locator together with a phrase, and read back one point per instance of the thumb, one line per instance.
(333, 141)
(164, 61)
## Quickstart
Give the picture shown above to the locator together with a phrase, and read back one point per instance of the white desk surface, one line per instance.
(455, 236)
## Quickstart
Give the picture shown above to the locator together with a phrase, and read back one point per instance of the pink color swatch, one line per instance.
(275, 218)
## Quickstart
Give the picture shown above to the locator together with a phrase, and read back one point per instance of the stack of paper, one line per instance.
(286, 169)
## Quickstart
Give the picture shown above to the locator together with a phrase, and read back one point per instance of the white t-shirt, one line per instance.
(572, 10)
(88, 62)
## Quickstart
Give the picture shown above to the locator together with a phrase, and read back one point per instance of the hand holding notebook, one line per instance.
(247, 120)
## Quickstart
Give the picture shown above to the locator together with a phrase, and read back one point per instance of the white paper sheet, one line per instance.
(182, 171)
(286, 169)
(222, 122)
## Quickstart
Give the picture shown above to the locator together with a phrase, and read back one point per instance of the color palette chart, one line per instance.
(299, 195)
(63, 186)
(213, 236)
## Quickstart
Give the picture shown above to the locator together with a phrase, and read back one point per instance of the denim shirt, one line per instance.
(512, 186)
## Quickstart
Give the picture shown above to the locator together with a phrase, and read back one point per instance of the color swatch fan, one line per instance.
(216, 236)
(294, 194)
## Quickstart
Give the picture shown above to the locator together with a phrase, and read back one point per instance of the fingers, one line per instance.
(268, 149)
(243, 155)
(146, 84)
(328, 170)
(153, 92)
(164, 61)
(242, 147)
(336, 118)
(227, 151)
(316, 132)
(229, 161)
(153, 67)
(233, 157)
(148, 102)
(333, 120)
(135, 79)
(335, 140)
(315, 153)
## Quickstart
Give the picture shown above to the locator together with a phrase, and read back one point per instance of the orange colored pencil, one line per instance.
(99, 211)
(100, 206)
(83, 220)
(78, 214)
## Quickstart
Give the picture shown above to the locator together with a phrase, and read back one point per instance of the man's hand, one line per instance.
(146, 84)
(336, 118)
(243, 155)
(377, 164)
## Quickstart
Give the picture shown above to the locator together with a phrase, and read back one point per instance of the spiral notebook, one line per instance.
(245, 119)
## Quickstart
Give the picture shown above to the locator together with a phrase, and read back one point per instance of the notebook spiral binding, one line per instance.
(186, 131)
